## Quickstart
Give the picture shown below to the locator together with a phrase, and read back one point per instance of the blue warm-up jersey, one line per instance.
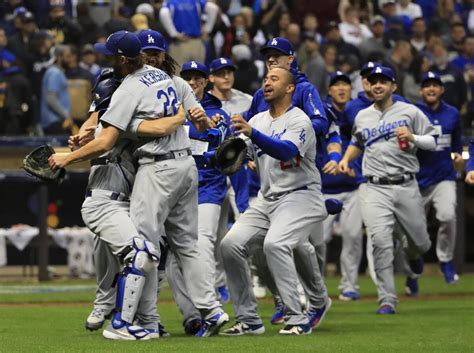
(470, 161)
(436, 166)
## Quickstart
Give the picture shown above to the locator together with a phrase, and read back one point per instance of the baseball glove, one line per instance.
(36, 164)
(230, 155)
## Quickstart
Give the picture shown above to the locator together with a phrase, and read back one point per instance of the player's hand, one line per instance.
(77, 141)
(470, 178)
(240, 126)
(181, 115)
(404, 133)
(200, 120)
(216, 119)
(458, 161)
(330, 168)
(252, 165)
(345, 169)
(58, 160)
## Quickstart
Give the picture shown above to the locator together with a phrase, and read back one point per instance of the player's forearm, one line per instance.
(334, 151)
(278, 149)
(91, 121)
(97, 147)
(425, 142)
(159, 127)
(352, 153)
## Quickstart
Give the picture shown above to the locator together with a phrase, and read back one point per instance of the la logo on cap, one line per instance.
(150, 39)
(431, 75)
(338, 73)
(378, 70)
(274, 41)
(370, 64)
(193, 64)
(223, 61)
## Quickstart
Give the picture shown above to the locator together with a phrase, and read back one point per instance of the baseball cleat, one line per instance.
(96, 318)
(296, 330)
(223, 294)
(212, 325)
(316, 315)
(411, 287)
(127, 333)
(157, 333)
(239, 329)
(349, 296)
(279, 314)
(386, 309)
(450, 275)
(193, 327)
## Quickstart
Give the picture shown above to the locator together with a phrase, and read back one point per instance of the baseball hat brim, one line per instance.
(102, 49)
(267, 48)
(153, 47)
(379, 74)
(202, 73)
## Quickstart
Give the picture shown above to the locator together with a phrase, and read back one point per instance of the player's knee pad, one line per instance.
(143, 256)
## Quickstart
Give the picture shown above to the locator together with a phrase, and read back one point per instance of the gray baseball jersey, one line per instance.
(374, 131)
(238, 103)
(282, 177)
(135, 100)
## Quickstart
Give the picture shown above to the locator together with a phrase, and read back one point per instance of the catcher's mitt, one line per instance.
(36, 164)
(230, 155)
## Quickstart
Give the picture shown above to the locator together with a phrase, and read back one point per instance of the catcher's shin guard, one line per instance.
(131, 280)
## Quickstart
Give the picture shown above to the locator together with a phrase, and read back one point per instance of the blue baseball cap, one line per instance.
(338, 76)
(7, 56)
(221, 63)
(367, 68)
(120, 43)
(151, 39)
(283, 45)
(382, 71)
(431, 76)
(195, 66)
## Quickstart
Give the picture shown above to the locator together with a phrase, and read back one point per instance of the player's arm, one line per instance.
(456, 143)
(470, 164)
(163, 126)
(423, 135)
(334, 150)
(314, 108)
(282, 150)
(101, 144)
(352, 152)
(85, 134)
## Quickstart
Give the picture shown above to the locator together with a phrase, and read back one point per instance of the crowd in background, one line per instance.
(48, 64)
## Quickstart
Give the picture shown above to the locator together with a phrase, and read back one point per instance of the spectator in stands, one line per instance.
(283, 22)
(269, 11)
(440, 23)
(465, 63)
(364, 8)
(314, 65)
(409, 9)
(120, 21)
(419, 66)
(310, 28)
(182, 21)
(418, 36)
(55, 101)
(329, 54)
(253, 28)
(293, 34)
(352, 31)
(16, 107)
(456, 37)
(62, 28)
(236, 34)
(455, 89)
(41, 49)
(388, 9)
(376, 44)
(139, 22)
(88, 60)
(41, 9)
(19, 42)
(344, 50)
(247, 78)
(400, 60)
(88, 25)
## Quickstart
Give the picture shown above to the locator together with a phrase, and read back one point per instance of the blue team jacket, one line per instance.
(335, 184)
(212, 183)
(436, 166)
(470, 161)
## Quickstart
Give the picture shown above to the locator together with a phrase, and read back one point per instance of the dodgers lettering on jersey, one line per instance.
(139, 98)
(279, 177)
(436, 166)
(374, 131)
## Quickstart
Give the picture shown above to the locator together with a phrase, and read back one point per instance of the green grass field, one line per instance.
(440, 320)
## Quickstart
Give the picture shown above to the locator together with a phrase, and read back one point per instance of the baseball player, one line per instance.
(106, 208)
(437, 176)
(221, 76)
(165, 170)
(290, 203)
(363, 100)
(279, 52)
(470, 164)
(342, 187)
(390, 133)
